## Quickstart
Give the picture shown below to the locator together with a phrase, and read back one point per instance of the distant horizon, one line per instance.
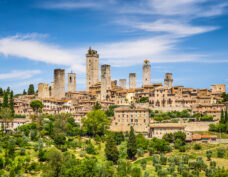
(185, 38)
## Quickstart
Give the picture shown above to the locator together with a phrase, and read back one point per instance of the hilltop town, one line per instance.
(132, 106)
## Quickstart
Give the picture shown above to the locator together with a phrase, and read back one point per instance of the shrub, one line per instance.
(221, 152)
(140, 152)
(209, 154)
(90, 149)
(143, 163)
(197, 146)
(151, 151)
(22, 151)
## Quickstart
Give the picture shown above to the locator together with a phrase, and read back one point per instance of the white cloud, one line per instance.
(26, 74)
(34, 49)
(169, 26)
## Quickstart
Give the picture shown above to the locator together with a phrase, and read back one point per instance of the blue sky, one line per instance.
(186, 37)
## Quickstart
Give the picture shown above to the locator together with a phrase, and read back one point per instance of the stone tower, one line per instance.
(59, 83)
(123, 83)
(168, 81)
(105, 80)
(71, 86)
(43, 90)
(92, 68)
(146, 72)
(132, 80)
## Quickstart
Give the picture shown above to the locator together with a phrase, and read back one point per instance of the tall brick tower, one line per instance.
(168, 81)
(59, 83)
(132, 80)
(146, 73)
(92, 68)
(71, 86)
(105, 80)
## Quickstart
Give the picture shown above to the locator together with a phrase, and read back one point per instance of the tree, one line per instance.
(222, 117)
(159, 145)
(24, 92)
(96, 123)
(1, 92)
(221, 152)
(209, 154)
(6, 115)
(111, 150)
(11, 105)
(168, 137)
(36, 106)
(31, 90)
(55, 160)
(197, 146)
(179, 135)
(131, 145)
(97, 106)
(5, 100)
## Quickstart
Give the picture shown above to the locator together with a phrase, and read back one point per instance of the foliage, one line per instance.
(143, 100)
(208, 154)
(206, 118)
(31, 90)
(96, 123)
(221, 152)
(36, 105)
(97, 106)
(159, 145)
(131, 145)
(197, 146)
(168, 137)
(111, 150)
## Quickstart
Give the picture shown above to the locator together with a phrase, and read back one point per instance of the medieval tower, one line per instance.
(168, 81)
(105, 80)
(59, 83)
(43, 90)
(71, 85)
(132, 80)
(146, 73)
(92, 68)
(123, 83)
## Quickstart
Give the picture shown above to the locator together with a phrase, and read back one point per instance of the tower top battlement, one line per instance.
(92, 53)
(146, 62)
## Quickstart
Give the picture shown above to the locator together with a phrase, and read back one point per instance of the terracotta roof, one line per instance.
(196, 137)
(205, 136)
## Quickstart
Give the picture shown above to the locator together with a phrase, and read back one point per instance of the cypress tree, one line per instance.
(111, 150)
(31, 90)
(1, 92)
(131, 145)
(24, 92)
(226, 117)
(8, 90)
(5, 100)
(222, 117)
(11, 104)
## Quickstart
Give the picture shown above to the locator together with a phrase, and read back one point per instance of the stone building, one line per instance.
(132, 80)
(92, 68)
(146, 73)
(105, 80)
(59, 83)
(125, 117)
(218, 88)
(123, 83)
(43, 90)
(168, 81)
(71, 86)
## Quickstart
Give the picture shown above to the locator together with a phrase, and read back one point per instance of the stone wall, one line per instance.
(146, 74)
(168, 81)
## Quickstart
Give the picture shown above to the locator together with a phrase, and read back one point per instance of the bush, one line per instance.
(206, 118)
(22, 151)
(151, 151)
(140, 152)
(143, 163)
(209, 154)
(221, 152)
(182, 149)
(197, 146)
(90, 149)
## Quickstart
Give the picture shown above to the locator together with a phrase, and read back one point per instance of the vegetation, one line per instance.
(31, 90)
(222, 126)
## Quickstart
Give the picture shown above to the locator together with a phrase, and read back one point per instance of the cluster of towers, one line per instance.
(57, 89)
